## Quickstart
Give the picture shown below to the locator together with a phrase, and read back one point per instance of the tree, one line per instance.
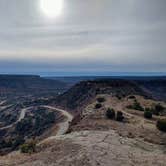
(101, 99)
(119, 116)
(161, 125)
(98, 105)
(110, 113)
(158, 109)
(148, 113)
(136, 106)
(131, 97)
(29, 147)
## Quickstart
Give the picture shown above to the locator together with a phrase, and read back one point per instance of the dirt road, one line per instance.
(63, 126)
(22, 115)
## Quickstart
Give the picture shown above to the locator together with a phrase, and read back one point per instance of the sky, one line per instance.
(88, 37)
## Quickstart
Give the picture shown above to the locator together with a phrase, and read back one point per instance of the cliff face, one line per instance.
(83, 92)
(21, 84)
(156, 88)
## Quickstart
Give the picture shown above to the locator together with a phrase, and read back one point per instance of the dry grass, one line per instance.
(134, 122)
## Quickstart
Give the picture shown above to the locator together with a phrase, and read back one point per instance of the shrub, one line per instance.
(29, 147)
(101, 99)
(131, 97)
(17, 142)
(110, 113)
(119, 97)
(98, 105)
(158, 109)
(50, 117)
(5, 143)
(155, 112)
(147, 113)
(119, 116)
(24, 125)
(161, 124)
(136, 106)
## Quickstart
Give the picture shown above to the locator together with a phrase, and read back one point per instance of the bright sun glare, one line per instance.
(51, 8)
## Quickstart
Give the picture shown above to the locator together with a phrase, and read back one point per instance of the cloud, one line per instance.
(96, 36)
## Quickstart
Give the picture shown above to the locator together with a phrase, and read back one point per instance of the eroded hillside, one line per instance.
(97, 140)
(129, 135)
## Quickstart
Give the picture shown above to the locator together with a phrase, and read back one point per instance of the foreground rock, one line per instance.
(90, 148)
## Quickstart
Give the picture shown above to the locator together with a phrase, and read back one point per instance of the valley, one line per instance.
(82, 83)
(93, 122)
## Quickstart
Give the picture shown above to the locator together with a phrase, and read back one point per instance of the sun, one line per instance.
(51, 8)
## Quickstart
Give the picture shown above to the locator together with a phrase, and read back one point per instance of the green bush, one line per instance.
(110, 113)
(136, 106)
(152, 110)
(101, 99)
(119, 116)
(159, 108)
(148, 113)
(98, 105)
(29, 147)
(161, 124)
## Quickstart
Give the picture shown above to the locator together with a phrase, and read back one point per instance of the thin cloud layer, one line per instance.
(89, 37)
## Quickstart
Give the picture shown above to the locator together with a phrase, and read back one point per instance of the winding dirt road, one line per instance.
(22, 115)
(63, 126)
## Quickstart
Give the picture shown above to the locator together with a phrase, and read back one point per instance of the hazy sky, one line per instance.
(88, 37)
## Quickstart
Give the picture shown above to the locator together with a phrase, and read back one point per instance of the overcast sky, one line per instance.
(89, 37)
